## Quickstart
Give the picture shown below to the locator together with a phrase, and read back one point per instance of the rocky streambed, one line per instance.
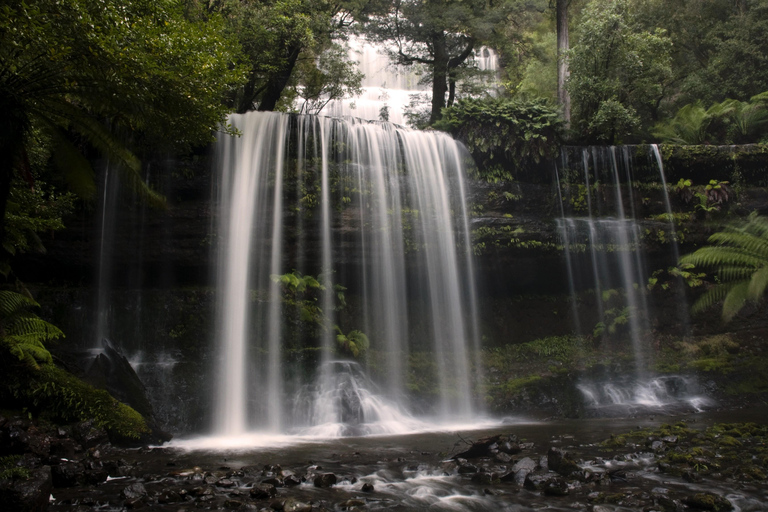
(640, 464)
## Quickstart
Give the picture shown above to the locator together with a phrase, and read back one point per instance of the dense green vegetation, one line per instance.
(32, 382)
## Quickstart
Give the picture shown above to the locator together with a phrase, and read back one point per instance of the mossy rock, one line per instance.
(708, 501)
(59, 396)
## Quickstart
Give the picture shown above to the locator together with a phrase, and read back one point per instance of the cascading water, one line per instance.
(370, 206)
(600, 229)
(610, 262)
(388, 89)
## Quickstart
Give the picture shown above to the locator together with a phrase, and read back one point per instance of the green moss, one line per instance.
(718, 365)
(729, 441)
(9, 469)
(58, 395)
(512, 387)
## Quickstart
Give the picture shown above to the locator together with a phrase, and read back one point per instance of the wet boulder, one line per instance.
(465, 468)
(134, 491)
(556, 487)
(68, 474)
(263, 491)
(708, 501)
(27, 494)
(325, 480)
(520, 470)
(561, 462)
(484, 447)
(89, 435)
(538, 481)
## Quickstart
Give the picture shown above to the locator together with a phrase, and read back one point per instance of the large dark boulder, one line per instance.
(27, 494)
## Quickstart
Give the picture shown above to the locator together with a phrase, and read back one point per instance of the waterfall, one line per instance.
(388, 89)
(610, 261)
(604, 229)
(376, 214)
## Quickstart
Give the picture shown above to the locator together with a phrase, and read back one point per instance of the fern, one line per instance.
(739, 256)
(22, 332)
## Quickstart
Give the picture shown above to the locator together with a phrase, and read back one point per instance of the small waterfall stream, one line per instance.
(605, 253)
(369, 207)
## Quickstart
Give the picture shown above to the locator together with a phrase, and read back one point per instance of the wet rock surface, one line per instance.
(720, 468)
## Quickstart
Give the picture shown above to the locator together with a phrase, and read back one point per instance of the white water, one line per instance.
(610, 260)
(390, 88)
(381, 210)
(669, 392)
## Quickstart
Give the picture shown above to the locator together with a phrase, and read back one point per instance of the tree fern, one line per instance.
(22, 332)
(739, 256)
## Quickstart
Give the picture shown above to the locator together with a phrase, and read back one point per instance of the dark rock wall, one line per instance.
(161, 303)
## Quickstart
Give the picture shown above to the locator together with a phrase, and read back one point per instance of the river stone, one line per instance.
(293, 505)
(367, 487)
(89, 435)
(169, 496)
(225, 482)
(325, 480)
(484, 478)
(708, 501)
(134, 491)
(467, 468)
(480, 448)
(352, 504)
(556, 487)
(509, 447)
(263, 491)
(561, 462)
(27, 495)
(537, 481)
(502, 457)
(67, 474)
(291, 480)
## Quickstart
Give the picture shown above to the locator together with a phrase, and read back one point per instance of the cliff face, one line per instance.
(157, 268)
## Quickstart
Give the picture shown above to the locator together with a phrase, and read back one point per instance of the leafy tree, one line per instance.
(439, 34)
(620, 72)
(739, 256)
(291, 49)
(735, 60)
(81, 75)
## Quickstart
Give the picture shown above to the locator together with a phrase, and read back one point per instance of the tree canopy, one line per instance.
(78, 76)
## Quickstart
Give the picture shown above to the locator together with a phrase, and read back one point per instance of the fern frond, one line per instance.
(735, 300)
(11, 303)
(744, 241)
(712, 297)
(714, 256)
(727, 274)
(758, 284)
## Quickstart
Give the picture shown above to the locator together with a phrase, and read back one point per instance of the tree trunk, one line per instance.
(439, 76)
(277, 83)
(563, 98)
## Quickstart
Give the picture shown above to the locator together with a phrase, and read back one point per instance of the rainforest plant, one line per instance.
(739, 257)
(22, 332)
(504, 134)
(354, 342)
